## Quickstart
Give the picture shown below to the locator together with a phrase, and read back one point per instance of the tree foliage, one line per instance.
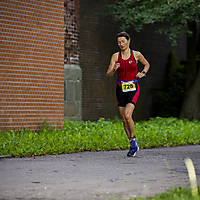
(171, 16)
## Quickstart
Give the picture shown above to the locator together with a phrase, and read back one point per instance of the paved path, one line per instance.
(96, 175)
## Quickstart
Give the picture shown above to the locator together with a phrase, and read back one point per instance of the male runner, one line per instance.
(127, 89)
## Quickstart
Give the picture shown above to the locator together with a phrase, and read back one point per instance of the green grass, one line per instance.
(99, 136)
(173, 194)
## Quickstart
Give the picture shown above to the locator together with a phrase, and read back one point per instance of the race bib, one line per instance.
(128, 86)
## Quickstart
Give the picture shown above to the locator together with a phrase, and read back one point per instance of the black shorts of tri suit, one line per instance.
(123, 98)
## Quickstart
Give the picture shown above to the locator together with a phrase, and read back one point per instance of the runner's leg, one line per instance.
(128, 116)
(125, 123)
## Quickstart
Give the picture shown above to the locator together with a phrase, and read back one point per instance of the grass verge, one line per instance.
(99, 136)
(173, 194)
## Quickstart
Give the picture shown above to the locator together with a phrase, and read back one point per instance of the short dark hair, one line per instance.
(123, 34)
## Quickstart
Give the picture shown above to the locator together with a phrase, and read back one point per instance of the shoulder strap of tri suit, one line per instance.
(134, 56)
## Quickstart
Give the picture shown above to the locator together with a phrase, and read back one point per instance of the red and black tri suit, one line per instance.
(127, 72)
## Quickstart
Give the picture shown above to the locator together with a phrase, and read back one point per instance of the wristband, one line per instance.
(143, 72)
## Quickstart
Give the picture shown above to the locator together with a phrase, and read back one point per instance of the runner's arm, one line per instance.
(113, 65)
(146, 64)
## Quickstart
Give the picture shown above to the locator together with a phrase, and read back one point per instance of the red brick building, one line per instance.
(31, 63)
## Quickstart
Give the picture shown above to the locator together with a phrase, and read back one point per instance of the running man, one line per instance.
(127, 89)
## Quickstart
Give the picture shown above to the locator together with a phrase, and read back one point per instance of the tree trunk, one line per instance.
(191, 104)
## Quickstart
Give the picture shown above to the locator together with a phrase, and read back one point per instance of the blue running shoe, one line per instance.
(133, 149)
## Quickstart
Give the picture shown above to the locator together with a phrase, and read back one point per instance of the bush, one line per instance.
(99, 136)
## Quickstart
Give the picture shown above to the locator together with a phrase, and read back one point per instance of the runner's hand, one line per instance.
(116, 66)
(140, 75)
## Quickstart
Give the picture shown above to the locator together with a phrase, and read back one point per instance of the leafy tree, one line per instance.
(173, 18)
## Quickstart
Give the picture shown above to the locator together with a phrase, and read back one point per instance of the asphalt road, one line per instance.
(97, 175)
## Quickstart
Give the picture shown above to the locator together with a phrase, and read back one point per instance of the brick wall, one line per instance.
(97, 42)
(31, 63)
(72, 49)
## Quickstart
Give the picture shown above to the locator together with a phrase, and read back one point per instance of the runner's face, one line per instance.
(123, 43)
